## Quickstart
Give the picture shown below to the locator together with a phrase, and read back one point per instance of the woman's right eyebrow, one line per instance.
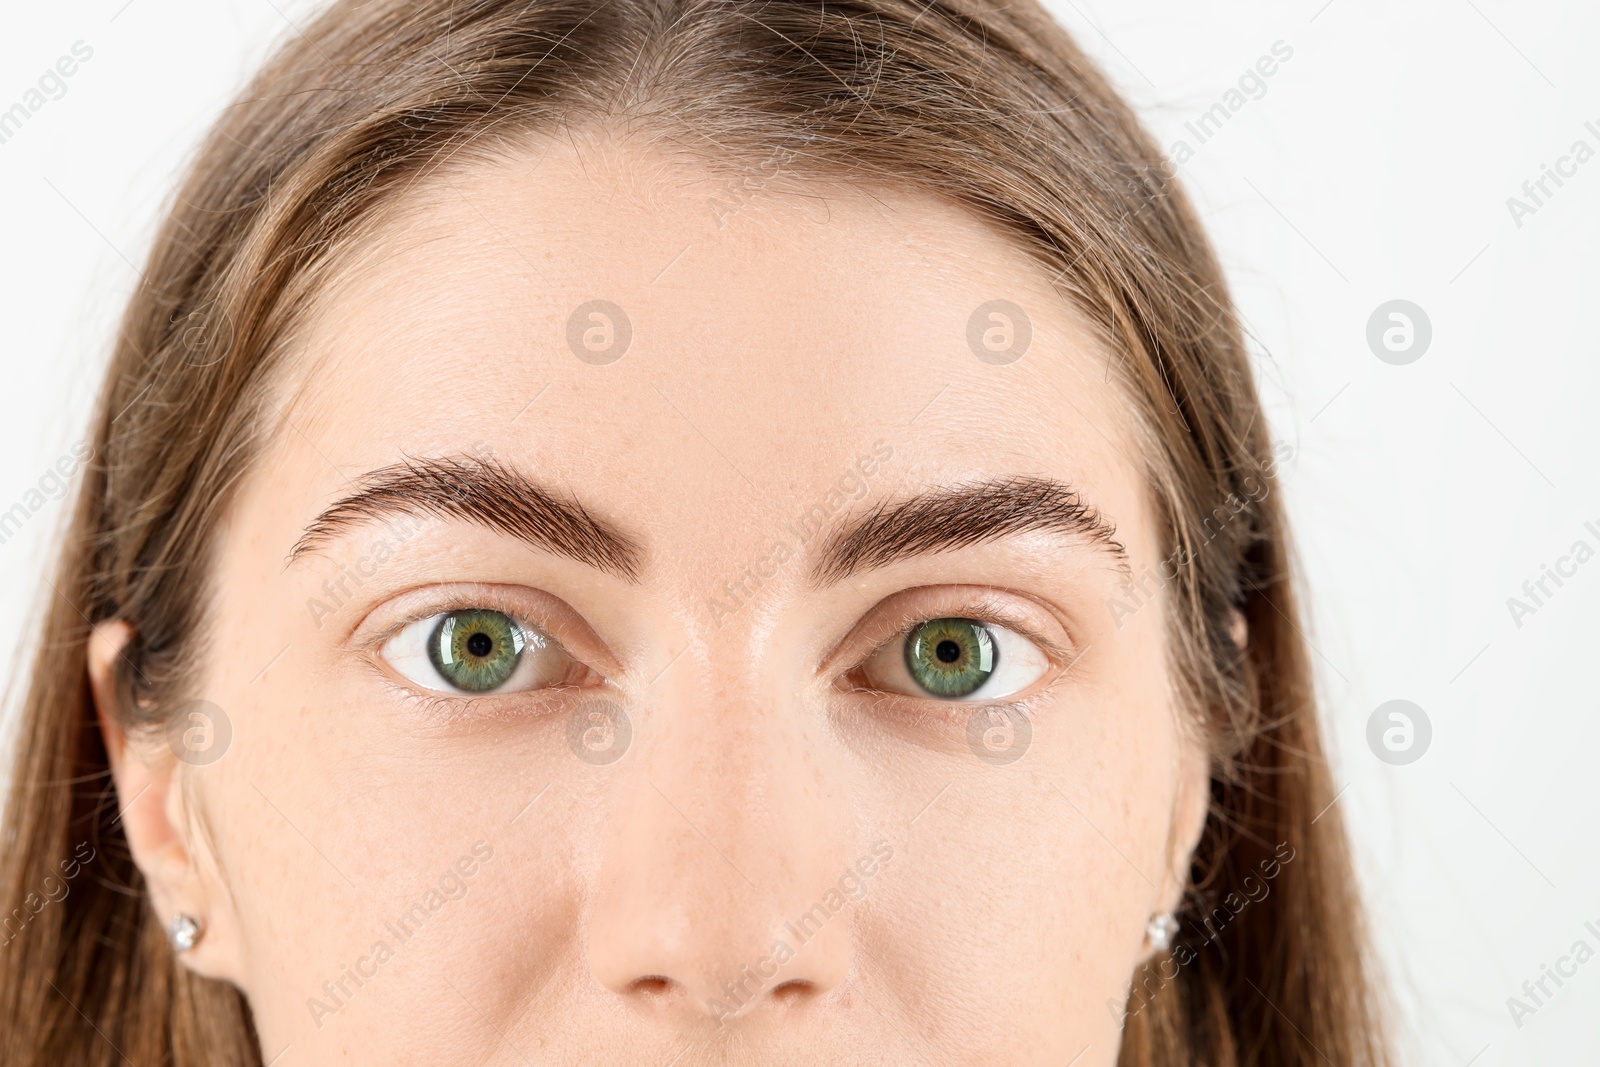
(485, 492)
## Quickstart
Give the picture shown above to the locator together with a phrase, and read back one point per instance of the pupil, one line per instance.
(480, 644)
(947, 651)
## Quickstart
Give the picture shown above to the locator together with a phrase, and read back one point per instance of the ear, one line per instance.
(1238, 629)
(1190, 806)
(154, 813)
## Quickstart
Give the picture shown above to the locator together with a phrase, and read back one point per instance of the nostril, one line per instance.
(792, 991)
(652, 985)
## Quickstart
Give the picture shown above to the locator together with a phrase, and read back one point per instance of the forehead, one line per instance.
(614, 319)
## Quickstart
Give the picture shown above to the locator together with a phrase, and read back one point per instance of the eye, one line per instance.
(956, 659)
(478, 650)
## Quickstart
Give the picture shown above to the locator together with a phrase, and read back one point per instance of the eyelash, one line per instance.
(950, 713)
(445, 707)
(490, 599)
(457, 707)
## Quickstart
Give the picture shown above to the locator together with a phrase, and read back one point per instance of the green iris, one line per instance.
(950, 657)
(475, 650)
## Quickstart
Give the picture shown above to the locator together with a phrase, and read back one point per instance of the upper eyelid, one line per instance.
(980, 602)
(537, 610)
(911, 618)
(444, 604)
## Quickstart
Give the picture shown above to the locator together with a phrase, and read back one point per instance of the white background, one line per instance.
(1377, 165)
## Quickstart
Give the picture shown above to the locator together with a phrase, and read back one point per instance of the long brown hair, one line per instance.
(985, 101)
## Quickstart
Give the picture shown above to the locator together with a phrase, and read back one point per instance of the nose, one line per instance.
(718, 895)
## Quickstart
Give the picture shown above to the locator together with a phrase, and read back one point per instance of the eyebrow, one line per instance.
(953, 517)
(490, 494)
(485, 492)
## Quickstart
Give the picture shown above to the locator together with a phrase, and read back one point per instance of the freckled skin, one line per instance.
(622, 902)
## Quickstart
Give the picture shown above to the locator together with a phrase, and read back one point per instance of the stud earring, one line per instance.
(1161, 930)
(183, 931)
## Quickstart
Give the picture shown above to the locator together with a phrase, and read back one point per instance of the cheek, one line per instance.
(1031, 883)
(346, 835)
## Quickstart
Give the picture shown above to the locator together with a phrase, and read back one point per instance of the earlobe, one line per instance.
(1191, 805)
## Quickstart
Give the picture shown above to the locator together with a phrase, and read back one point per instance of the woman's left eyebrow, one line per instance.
(485, 492)
(951, 517)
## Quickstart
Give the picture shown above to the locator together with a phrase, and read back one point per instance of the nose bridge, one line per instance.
(725, 836)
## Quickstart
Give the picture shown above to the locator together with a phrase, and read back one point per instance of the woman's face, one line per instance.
(671, 624)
